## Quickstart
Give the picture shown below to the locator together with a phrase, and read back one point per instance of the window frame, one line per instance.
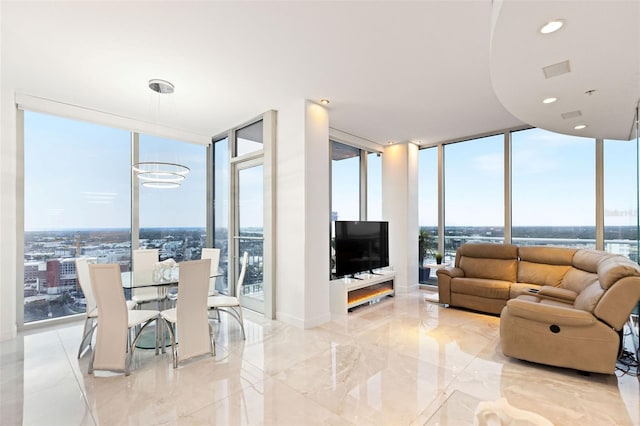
(65, 111)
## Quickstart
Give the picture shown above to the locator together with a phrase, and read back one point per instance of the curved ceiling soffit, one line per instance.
(591, 65)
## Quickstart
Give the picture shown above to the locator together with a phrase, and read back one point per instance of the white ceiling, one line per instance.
(601, 41)
(394, 71)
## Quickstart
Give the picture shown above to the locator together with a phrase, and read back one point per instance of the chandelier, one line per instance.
(157, 174)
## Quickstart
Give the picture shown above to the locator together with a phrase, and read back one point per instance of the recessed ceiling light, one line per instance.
(389, 143)
(580, 127)
(324, 101)
(552, 26)
(549, 100)
(161, 86)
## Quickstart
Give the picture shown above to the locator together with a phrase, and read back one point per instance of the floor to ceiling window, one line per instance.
(174, 220)
(241, 218)
(345, 182)
(77, 202)
(553, 189)
(621, 198)
(356, 187)
(474, 192)
(427, 213)
(248, 208)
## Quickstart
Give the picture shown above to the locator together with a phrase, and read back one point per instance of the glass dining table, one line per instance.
(162, 280)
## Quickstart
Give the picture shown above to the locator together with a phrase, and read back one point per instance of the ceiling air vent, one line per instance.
(557, 69)
(571, 114)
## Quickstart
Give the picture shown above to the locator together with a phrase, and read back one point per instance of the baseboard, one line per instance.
(301, 323)
(408, 289)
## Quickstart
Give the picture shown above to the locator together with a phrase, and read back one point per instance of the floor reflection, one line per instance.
(402, 361)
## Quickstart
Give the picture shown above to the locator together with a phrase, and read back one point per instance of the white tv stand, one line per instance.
(347, 293)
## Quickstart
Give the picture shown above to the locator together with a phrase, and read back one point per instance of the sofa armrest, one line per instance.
(556, 293)
(445, 275)
(451, 272)
(549, 314)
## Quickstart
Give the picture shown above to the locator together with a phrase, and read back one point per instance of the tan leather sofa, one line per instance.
(558, 306)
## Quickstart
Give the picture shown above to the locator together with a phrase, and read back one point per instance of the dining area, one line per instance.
(154, 306)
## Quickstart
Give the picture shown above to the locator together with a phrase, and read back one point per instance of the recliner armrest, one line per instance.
(556, 293)
(549, 314)
(450, 271)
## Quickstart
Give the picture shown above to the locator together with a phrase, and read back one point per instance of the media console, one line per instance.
(347, 293)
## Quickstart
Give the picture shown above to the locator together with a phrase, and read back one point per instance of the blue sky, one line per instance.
(77, 175)
(553, 181)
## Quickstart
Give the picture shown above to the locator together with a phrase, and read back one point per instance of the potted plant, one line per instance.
(425, 241)
(438, 258)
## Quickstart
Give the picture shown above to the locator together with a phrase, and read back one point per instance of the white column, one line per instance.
(9, 224)
(400, 208)
(302, 215)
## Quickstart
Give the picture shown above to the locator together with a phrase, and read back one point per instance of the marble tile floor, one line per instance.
(403, 361)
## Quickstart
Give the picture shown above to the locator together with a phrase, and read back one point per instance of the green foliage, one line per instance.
(425, 244)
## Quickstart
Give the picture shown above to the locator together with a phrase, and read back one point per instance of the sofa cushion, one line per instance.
(588, 260)
(541, 274)
(489, 288)
(486, 250)
(495, 269)
(589, 297)
(577, 279)
(547, 255)
(615, 267)
(549, 313)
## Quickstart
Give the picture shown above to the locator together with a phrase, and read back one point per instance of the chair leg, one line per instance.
(87, 335)
(237, 315)
(241, 320)
(213, 341)
(132, 347)
(158, 329)
(174, 351)
(93, 356)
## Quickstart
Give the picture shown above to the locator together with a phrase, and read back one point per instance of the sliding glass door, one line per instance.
(249, 232)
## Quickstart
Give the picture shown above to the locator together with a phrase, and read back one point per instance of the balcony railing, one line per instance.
(254, 277)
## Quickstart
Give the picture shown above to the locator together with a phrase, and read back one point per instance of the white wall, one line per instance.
(8, 223)
(400, 208)
(302, 215)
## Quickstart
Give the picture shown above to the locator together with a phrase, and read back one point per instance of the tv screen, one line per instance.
(361, 246)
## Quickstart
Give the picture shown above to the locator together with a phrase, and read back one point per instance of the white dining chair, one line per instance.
(91, 312)
(112, 351)
(214, 255)
(145, 259)
(91, 308)
(188, 322)
(229, 304)
(207, 253)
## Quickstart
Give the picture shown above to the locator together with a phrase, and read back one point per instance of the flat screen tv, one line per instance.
(361, 246)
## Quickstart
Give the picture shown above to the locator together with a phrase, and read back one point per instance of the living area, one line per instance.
(471, 136)
(400, 361)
